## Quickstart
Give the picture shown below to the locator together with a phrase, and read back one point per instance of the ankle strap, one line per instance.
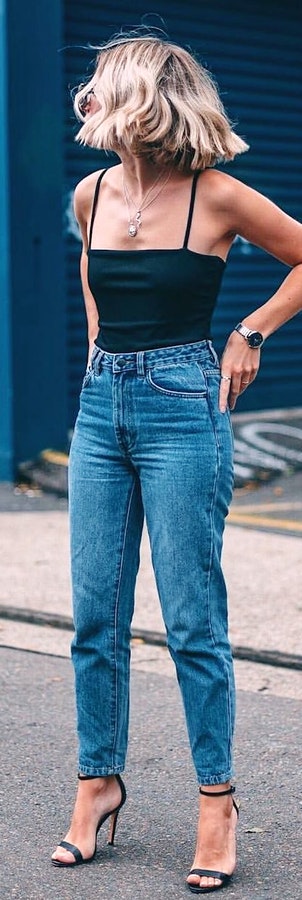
(230, 790)
(86, 777)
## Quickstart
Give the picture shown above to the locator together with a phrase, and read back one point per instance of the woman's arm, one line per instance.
(257, 219)
(83, 199)
(90, 305)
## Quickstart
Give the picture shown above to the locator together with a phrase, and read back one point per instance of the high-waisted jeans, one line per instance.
(150, 440)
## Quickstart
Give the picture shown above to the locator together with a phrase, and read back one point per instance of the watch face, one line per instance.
(255, 339)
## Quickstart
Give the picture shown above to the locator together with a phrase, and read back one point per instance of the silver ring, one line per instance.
(226, 377)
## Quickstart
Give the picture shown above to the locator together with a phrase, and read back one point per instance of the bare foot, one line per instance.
(216, 838)
(95, 798)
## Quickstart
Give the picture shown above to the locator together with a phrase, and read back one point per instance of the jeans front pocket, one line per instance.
(178, 380)
(87, 378)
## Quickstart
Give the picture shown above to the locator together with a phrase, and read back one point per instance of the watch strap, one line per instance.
(242, 329)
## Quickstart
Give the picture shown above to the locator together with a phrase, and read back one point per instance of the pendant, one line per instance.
(134, 226)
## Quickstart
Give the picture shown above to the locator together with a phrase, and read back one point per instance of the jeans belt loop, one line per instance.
(97, 361)
(140, 362)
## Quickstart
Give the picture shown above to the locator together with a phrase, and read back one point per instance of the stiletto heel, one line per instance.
(112, 828)
(113, 815)
(210, 873)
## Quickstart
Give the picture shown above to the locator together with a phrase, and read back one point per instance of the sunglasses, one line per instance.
(84, 102)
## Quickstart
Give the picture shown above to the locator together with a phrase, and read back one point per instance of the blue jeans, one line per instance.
(150, 440)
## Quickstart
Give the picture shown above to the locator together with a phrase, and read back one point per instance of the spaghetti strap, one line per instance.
(94, 206)
(191, 208)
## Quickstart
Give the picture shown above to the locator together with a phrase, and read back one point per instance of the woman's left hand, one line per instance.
(239, 367)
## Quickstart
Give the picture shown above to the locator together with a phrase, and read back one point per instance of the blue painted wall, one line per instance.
(6, 434)
(34, 334)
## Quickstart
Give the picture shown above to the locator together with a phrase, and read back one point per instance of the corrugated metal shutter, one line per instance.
(254, 50)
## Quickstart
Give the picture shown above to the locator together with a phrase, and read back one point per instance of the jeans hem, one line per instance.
(100, 771)
(214, 779)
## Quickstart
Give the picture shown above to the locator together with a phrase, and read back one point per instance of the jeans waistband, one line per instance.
(142, 360)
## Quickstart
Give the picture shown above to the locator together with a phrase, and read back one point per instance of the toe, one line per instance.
(194, 880)
(61, 855)
(204, 881)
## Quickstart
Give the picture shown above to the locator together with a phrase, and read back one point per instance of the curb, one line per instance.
(54, 620)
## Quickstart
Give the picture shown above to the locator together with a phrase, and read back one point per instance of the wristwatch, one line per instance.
(254, 338)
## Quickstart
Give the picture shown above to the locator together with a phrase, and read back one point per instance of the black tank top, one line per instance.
(152, 298)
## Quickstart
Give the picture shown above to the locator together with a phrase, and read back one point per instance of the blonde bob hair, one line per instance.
(156, 101)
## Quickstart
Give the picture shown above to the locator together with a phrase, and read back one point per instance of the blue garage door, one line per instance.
(254, 50)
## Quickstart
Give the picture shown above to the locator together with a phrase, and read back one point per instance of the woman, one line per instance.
(153, 433)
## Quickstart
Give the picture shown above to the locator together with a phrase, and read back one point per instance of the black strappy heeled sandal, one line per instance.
(210, 873)
(113, 815)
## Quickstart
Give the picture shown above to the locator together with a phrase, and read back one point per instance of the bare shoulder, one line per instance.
(83, 196)
(252, 215)
(219, 189)
(230, 193)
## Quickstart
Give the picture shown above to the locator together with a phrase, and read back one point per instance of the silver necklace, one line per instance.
(135, 220)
